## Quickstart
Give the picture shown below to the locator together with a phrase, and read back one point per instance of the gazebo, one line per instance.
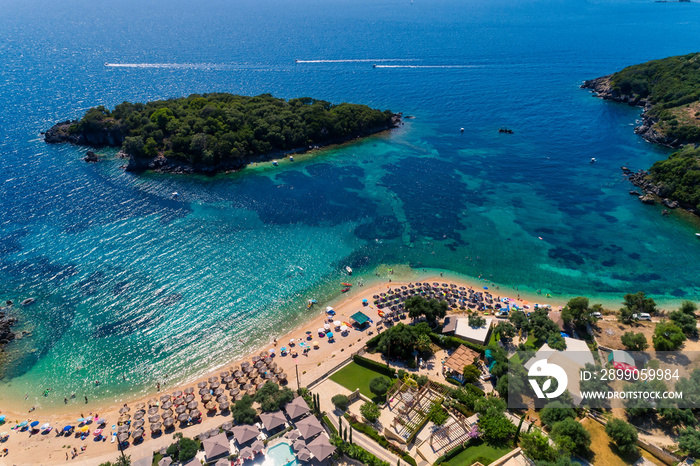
(360, 318)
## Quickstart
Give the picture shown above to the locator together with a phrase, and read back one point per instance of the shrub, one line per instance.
(341, 402)
(379, 386)
(623, 434)
(370, 411)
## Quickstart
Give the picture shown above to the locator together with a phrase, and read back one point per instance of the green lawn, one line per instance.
(484, 452)
(354, 376)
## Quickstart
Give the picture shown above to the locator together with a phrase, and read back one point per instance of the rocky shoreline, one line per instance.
(653, 193)
(114, 136)
(6, 323)
(602, 89)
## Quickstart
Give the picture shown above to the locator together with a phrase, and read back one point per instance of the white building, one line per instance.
(460, 327)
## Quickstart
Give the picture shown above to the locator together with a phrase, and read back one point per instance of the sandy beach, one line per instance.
(26, 448)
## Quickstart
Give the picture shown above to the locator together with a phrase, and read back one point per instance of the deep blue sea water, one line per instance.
(133, 284)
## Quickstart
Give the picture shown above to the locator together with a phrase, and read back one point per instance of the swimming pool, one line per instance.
(281, 455)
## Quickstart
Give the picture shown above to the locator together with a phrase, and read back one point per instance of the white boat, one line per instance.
(348, 270)
(592, 159)
(697, 234)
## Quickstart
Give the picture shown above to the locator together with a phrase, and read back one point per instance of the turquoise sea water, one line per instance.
(133, 287)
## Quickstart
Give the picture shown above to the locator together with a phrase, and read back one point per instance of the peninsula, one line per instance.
(669, 91)
(219, 132)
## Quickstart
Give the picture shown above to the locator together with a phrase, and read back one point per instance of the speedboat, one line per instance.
(697, 234)
(348, 270)
(592, 159)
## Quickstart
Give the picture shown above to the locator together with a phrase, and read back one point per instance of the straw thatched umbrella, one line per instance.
(139, 414)
(181, 409)
(251, 392)
(124, 418)
(167, 414)
(267, 375)
(123, 437)
(155, 426)
(201, 384)
(189, 390)
(163, 399)
(213, 379)
(192, 405)
(227, 379)
(189, 398)
(177, 393)
(203, 391)
(259, 364)
(207, 397)
(278, 370)
(247, 386)
(183, 417)
(256, 359)
(167, 405)
(224, 405)
(223, 374)
(268, 360)
(261, 385)
(234, 392)
(138, 433)
(154, 418)
(272, 365)
(245, 364)
(137, 424)
(210, 406)
(214, 385)
(263, 354)
(153, 410)
(239, 397)
(140, 406)
(124, 409)
(282, 376)
(221, 399)
(168, 422)
(218, 391)
(248, 370)
(194, 414)
(152, 402)
(123, 428)
(262, 370)
(238, 374)
(233, 384)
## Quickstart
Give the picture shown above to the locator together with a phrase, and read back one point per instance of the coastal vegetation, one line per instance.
(678, 177)
(215, 131)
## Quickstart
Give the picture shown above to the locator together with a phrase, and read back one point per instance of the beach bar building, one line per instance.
(361, 319)
(461, 357)
(460, 327)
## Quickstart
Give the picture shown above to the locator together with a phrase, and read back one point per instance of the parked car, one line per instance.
(597, 315)
(642, 316)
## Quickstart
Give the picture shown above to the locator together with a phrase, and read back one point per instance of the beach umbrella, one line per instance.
(234, 392)
(238, 374)
(123, 428)
(45, 426)
(256, 359)
(221, 399)
(213, 379)
(260, 385)
(203, 391)
(153, 410)
(189, 390)
(271, 351)
(192, 405)
(201, 384)
(267, 375)
(124, 409)
(183, 417)
(123, 437)
(34, 424)
(139, 414)
(245, 364)
(343, 328)
(163, 399)
(282, 376)
(67, 428)
(181, 409)
(259, 364)
(223, 374)
(329, 334)
(141, 405)
(228, 379)
(154, 418)
(138, 433)
(167, 414)
(278, 370)
(124, 418)
(262, 370)
(168, 422)
(315, 344)
(268, 360)
(84, 429)
(337, 323)
(224, 405)
(189, 398)
(249, 369)
(243, 380)
(207, 397)
(210, 406)
(167, 405)
(272, 365)
(239, 397)
(155, 426)
(97, 432)
(298, 445)
(251, 392)
(214, 385)
(218, 391)
(137, 424)
(194, 414)
(80, 420)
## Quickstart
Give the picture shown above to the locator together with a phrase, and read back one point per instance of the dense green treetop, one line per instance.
(211, 129)
(679, 176)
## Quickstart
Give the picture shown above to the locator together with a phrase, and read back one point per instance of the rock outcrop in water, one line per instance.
(6, 323)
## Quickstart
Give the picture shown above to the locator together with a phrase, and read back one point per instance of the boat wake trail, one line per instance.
(359, 60)
(168, 65)
(428, 66)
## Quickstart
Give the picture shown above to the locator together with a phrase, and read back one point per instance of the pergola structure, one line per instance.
(413, 405)
(455, 432)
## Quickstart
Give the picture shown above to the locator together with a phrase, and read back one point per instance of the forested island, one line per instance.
(210, 133)
(669, 91)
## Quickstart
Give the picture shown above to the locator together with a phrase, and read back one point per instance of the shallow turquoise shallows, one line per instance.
(133, 287)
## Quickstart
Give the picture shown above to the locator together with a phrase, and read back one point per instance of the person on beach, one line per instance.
(86, 400)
